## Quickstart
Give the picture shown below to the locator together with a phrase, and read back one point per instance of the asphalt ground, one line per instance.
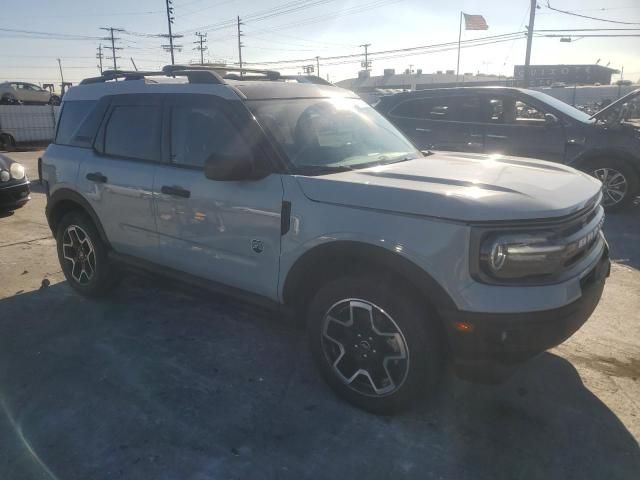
(160, 382)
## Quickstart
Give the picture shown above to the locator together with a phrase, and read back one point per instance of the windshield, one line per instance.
(319, 134)
(624, 111)
(560, 106)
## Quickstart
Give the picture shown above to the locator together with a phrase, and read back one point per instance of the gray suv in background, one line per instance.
(302, 198)
(527, 123)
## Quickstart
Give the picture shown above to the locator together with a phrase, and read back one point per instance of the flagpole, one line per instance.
(459, 39)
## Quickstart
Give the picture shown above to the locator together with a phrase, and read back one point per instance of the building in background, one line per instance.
(548, 75)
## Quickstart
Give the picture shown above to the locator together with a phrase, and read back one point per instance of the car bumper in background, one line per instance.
(487, 347)
(14, 196)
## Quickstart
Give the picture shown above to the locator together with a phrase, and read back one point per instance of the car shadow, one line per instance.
(157, 382)
(622, 230)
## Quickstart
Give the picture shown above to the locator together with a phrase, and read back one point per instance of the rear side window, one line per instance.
(72, 117)
(462, 108)
(133, 131)
(199, 132)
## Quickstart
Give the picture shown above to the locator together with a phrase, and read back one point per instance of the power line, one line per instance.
(508, 36)
(567, 12)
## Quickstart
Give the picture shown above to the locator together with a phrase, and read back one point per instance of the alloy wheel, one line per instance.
(614, 185)
(78, 250)
(365, 347)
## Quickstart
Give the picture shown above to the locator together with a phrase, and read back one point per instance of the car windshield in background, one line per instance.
(321, 135)
(560, 106)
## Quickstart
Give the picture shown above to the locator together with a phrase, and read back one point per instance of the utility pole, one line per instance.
(240, 45)
(366, 64)
(527, 58)
(113, 39)
(169, 22)
(135, 67)
(317, 65)
(99, 56)
(61, 75)
(200, 45)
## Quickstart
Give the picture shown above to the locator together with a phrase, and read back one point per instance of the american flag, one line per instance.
(475, 22)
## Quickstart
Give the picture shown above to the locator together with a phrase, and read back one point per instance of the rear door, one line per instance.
(225, 231)
(442, 122)
(516, 125)
(117, 176)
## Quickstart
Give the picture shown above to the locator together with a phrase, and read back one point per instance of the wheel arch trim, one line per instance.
(377, 256)
(66, 195)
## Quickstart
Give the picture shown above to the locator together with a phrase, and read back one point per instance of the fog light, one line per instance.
(4, 176)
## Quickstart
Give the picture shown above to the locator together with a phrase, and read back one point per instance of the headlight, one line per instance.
(5, 176)
(17, 171)
(514, 256)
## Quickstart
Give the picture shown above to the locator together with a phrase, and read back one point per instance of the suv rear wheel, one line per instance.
(374, 344)
(83, 256)
(619, 182)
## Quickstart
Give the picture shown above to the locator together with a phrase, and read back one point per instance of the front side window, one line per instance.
(338, 133)
(133, 131)
(199, 132)
(510, 111)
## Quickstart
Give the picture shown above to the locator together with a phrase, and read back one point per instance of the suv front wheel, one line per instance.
(83, 256)
(375, 344)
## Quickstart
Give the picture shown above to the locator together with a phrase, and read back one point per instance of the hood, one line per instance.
(608, 110)
(460, 186)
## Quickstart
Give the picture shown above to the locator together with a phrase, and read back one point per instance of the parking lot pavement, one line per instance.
(164, 383)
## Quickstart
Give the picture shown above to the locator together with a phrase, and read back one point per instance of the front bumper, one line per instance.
(14, 196)
(488, 347)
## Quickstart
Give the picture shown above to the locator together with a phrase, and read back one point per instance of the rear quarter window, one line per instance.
(74, 115)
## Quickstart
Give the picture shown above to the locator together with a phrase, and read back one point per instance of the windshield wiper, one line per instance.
(321, 169)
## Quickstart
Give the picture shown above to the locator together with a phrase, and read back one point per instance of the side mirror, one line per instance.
(226, 168)
(550, 119)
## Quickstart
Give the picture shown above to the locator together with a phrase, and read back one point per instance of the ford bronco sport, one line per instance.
(301, 196)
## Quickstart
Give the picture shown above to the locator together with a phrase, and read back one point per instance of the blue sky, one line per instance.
(324, 29)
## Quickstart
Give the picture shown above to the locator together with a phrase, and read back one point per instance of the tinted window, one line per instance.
(133, 131)
(459, 108)
(196, 133)
(507, 110)
(72, 117)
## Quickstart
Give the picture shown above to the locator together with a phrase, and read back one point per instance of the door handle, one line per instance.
(497, 137)
(423, 130)
(96, 177)
(175, 191)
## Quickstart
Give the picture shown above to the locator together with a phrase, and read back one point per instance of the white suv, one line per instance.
(301, 197)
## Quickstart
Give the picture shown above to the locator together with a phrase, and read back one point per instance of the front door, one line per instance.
(225, 231)
(117, 178)
(517, 127)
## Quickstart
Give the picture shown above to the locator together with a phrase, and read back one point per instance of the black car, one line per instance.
(528, 123)
(14, 184)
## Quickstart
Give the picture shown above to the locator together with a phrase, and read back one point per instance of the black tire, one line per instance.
(54, 100)
(417, 326)
(623, 168)
(104, 274)
(7, 143)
